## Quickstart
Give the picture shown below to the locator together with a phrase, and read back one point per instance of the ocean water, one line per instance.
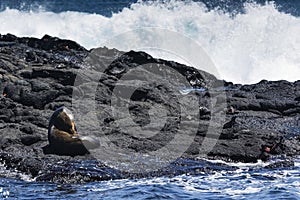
(240, 181)
(247, 41)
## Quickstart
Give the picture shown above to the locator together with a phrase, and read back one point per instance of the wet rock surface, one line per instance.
(139, 104)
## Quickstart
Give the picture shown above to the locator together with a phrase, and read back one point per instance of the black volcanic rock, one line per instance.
(39, 75)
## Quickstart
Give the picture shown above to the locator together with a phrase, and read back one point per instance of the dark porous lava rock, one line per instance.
(245, 122)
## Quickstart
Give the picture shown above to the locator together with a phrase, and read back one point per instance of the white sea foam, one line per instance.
(262, 43)
(13, 173)
(241, 165)
(4, 193)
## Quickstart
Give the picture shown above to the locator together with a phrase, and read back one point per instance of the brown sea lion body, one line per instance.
(62, 135)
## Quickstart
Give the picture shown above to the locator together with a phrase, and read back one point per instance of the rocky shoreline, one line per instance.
(37, 76)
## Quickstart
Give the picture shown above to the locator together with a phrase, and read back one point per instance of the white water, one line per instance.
(263, 43)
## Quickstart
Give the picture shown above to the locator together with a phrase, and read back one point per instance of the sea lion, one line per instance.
(231, 123)
(62, 135)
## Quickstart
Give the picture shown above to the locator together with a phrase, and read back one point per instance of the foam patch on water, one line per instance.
(297, 162)
(4, 193)
(262, 43)
(13, 173)
(259, 163)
